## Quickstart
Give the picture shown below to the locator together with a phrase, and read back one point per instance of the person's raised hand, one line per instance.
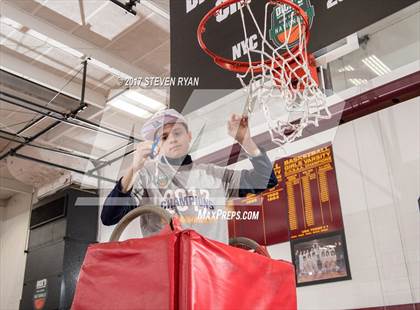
(238, 128)
(142, 153)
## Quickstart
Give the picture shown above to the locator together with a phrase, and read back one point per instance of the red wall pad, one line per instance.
(182, 270)
(217, 276)
(133, 274)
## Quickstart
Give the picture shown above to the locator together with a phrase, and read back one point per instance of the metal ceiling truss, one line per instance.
(21, 139)
(70, 118)
(384, 96)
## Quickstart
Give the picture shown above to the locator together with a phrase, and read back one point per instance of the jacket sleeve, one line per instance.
(116, 205)
(258, 179)
(240, 183)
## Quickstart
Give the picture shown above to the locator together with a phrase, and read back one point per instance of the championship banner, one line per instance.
(312, 193)
(304, 203)
(330, 20)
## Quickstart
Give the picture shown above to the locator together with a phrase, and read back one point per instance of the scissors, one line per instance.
(153, 152)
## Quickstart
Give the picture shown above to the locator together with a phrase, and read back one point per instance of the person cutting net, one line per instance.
(173, 181)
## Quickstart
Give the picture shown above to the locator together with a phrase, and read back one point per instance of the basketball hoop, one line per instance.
(281, 69)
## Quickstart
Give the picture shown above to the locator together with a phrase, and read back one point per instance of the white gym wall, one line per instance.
(14, 222)
(377, 161)
(376, 157)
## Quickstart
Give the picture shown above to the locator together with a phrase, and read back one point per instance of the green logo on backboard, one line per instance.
(284, 22)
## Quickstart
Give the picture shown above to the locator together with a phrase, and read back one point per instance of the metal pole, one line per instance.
(31, 103)
(64, 152)
(113, 151)
(30, 139)
(14, 150)
(110, 161)
(82, 96)
(60, 151)
(11, 140)
(128, 6)
(71, 121)
(32, 123)
(65, 117)
(13, 135)
(62, 167)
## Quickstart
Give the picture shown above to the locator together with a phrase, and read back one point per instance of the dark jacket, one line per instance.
(253, 181)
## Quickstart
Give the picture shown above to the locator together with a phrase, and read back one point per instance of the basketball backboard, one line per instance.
(352, 50)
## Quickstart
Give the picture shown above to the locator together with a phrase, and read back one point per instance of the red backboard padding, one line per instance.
(182, 270)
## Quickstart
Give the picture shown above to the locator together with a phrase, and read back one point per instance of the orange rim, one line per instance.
(243, 66)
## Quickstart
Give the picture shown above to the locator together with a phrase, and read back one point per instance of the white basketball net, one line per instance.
(291, 86)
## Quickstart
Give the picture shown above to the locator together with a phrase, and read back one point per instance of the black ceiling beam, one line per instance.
(69, 118)
(116, 150)
(15, 138)
(17, 148)
(82, 95)
(109, 162)
(128, 6)
(31, 103)
(38, 134)
(13, 135)
(63, 117)
(30, 124)
(63, 167)
(73, 113)
(60, 117)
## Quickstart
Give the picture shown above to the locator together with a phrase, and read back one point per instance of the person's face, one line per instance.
(175, 140)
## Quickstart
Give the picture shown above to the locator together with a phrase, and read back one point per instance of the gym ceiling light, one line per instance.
(358, 82)
(136, 103)
(376, 65)
(127, 107)
(347, 68)
(145, 101)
